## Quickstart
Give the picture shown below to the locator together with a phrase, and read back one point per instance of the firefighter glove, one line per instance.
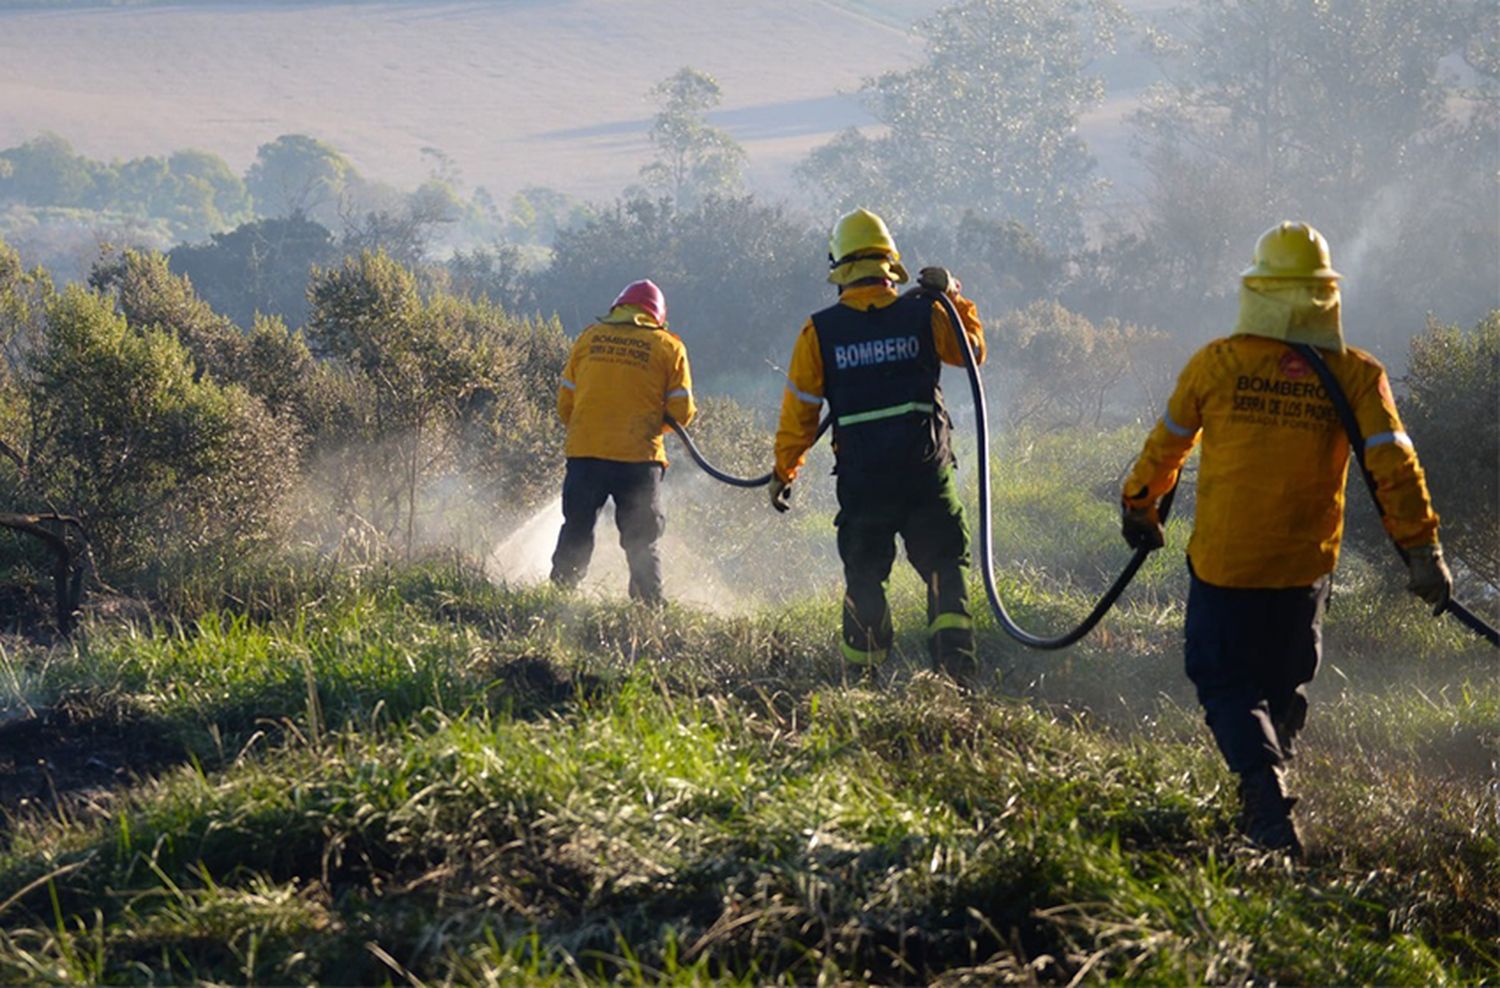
(781, 493)
(938, 280)
(1430, 578)
(1141, 528)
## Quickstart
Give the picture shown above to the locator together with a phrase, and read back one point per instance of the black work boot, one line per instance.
(1266, 817)
(952, 651)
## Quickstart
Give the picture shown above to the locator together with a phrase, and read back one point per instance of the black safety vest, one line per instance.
(880, 377)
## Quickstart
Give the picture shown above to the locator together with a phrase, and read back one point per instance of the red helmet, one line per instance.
(645, 294)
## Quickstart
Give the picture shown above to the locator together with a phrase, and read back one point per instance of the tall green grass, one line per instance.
(414, 777)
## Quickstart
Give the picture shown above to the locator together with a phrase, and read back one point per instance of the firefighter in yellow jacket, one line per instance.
(1270, 508)
(875, 358)
(625, 373)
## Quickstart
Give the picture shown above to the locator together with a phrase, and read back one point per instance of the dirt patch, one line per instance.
(64, 762)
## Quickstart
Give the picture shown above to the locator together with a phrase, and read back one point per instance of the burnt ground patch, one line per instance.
(64, 760)
(529, 687)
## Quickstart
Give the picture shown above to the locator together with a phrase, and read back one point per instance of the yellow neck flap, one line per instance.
(630, 315)
(1294, 311)
(868, 267)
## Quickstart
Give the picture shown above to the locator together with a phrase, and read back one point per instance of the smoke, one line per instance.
(1378, 226)
(352, 505)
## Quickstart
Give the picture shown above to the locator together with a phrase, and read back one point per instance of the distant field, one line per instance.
(518, 92)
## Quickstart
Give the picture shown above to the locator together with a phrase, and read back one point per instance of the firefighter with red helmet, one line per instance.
(875, 357)
(1270, 508)
(625, 373)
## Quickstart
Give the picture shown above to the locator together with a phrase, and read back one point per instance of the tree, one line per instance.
(1002, 263)
(404, 231)
(694, 160)
(504, 273)
(259, 267)
(148, 294)
(24, 298)
(224, 197)
(193, 192)
(1342, 113)
(740, 277)
(418, 365)
(851, 171)
(537, 213)
(299, 175)
(1257, 84)
(987, 123)
(45, 171)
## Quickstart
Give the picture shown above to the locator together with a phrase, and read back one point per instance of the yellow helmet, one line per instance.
(858, 232)
(1291, 250)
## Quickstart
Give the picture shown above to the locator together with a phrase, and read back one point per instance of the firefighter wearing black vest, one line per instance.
(875, 357)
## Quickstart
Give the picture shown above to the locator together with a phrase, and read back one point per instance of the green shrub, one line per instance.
(1453, 414)
(1050, 368)
(161, 465)
(443, 405)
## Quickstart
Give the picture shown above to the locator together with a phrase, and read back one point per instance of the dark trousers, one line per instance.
(923, 508)
(636, 489)
(1251, 654)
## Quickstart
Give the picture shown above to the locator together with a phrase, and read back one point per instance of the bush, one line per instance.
(1052, 368)
(1451, 413)
(163, 467)
(442, 405)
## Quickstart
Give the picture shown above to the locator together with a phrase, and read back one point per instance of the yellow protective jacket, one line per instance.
(802, 403)
(620, 380)
(1271, 479)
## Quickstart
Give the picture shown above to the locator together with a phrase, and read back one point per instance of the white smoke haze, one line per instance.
(1380, 223)
(722, 550)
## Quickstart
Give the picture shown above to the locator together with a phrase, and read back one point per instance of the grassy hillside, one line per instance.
(412, 776)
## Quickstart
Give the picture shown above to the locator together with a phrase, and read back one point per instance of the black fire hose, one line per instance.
(987, 550)
(720, 475)
(1357, 445)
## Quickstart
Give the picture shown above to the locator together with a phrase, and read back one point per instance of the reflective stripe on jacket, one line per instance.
(621, 379)
(802, 403)
(1270, 496)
